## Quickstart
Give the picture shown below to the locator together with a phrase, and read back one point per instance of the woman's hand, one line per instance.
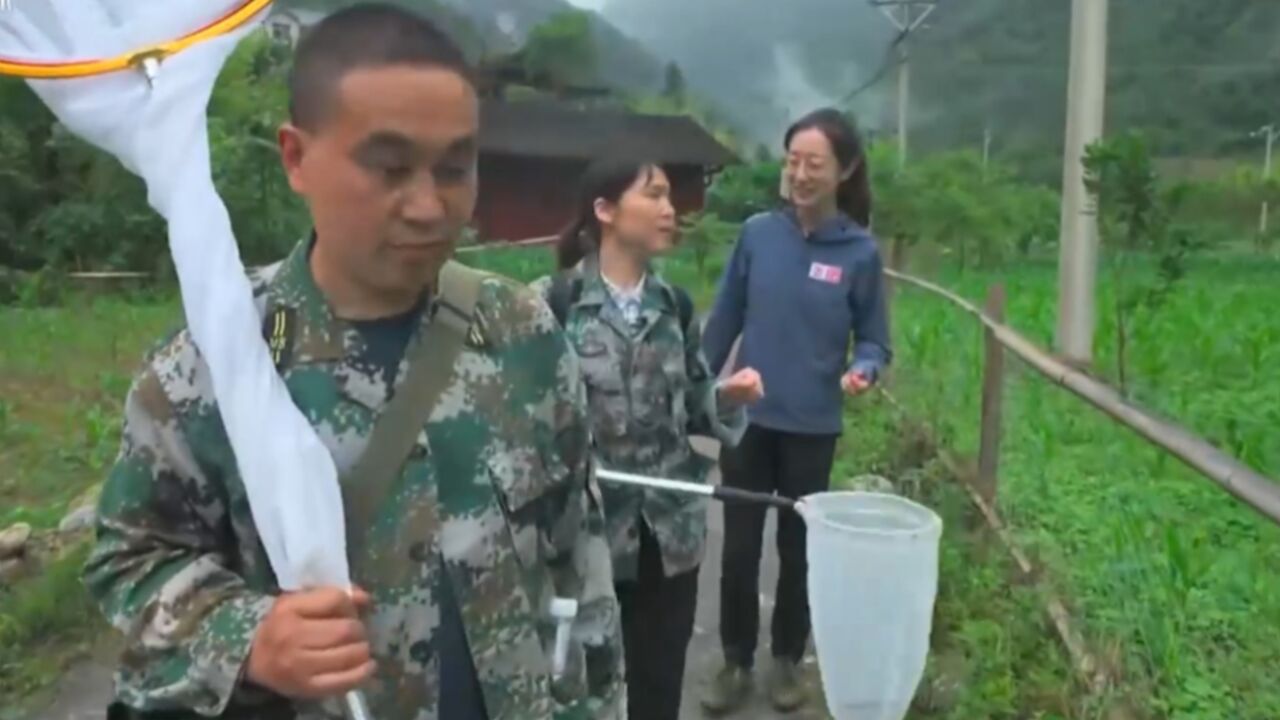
(743, 387)
(854, 383)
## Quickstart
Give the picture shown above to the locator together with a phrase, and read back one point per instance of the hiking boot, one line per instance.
(786, 693)
(729, 690)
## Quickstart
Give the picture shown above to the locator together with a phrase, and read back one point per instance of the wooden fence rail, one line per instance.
(1252, 487)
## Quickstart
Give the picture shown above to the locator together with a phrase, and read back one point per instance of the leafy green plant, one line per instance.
(704, 233)
(741, 191)
(980, 213)
(1136, 220)
(1165, 574)
(562, 49)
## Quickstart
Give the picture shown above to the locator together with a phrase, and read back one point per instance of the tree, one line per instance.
(741, 191)
(1136, 219)
(674, 86)
(561, 49)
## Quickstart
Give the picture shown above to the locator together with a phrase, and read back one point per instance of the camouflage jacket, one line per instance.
(648, 390)
(509, 500)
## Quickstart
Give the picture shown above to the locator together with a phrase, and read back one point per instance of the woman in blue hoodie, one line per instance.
(803, 283)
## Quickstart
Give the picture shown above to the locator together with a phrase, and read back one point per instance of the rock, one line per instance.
(82, 518)
(13, 542)
(11, 570)
(83, 512)
(871, 483)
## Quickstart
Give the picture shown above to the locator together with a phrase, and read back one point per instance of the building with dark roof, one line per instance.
(533, 153)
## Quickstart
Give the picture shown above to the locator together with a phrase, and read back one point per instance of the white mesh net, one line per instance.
(873, 577)
(159, 132)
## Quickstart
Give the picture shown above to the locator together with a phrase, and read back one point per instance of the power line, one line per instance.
(1001, 67)
(886, 64)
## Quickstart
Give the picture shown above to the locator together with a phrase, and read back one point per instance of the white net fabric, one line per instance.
(160, 133)
(873, 577)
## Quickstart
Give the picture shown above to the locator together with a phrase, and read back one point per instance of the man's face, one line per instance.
(390, 175)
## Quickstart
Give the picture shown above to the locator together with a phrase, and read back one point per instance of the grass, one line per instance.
(1169, 575)
(44, 624)
(64, 373)
(994, 655)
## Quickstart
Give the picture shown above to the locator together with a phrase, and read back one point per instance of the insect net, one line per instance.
(155, 124)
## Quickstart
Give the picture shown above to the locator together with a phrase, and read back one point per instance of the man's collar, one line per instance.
(320, 335)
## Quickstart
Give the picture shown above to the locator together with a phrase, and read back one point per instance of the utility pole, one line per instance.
(1078, 252)
(986, 147)
(906, 16)
(1270, 132)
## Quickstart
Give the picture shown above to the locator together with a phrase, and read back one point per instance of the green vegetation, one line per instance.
(994, 654)
(64, 372)
(43, 624)
(67, 206)
(1169, 575)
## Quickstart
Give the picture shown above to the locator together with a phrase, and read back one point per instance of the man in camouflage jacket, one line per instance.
(494, 511)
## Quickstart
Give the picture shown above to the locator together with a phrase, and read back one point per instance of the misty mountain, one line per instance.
(1197, 74)
(763, 63)
(490, 27)
(623, 63)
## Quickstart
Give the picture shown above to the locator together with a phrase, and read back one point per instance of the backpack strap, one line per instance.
(684, 307)
(431, 359)
(565, 291)
(566, 288)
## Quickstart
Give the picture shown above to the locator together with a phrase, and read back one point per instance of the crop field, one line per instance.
(1173, 580)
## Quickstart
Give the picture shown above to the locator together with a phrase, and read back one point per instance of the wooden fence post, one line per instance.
(992, 399)
(897, 259)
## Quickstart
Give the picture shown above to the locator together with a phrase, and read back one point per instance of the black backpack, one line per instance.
(566, 290)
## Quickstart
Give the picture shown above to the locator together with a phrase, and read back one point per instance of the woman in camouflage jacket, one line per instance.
(649, 388)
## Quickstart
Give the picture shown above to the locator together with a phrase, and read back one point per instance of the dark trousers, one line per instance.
(657, 622)
(791, 465)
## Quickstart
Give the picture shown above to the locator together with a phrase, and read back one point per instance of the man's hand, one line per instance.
(743, 387)
(854, 383)
(312, 645)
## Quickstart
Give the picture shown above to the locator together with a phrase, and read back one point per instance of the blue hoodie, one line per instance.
(795, 300)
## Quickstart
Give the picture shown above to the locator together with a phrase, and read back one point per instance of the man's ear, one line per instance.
(293, 143)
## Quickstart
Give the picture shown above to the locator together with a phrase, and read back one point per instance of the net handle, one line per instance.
(719, 492)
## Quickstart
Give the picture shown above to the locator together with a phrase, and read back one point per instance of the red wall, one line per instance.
(523, 198)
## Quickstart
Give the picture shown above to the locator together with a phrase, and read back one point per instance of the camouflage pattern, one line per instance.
(648, 389)
(506, 492)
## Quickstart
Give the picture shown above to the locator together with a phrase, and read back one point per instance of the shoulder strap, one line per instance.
(565, 290)
(431, 359)
(684, 307)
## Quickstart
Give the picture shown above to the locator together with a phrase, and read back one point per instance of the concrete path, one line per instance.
(705, 658)
(83, 692)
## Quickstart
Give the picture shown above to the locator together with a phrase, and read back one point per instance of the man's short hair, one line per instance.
(368, 35)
